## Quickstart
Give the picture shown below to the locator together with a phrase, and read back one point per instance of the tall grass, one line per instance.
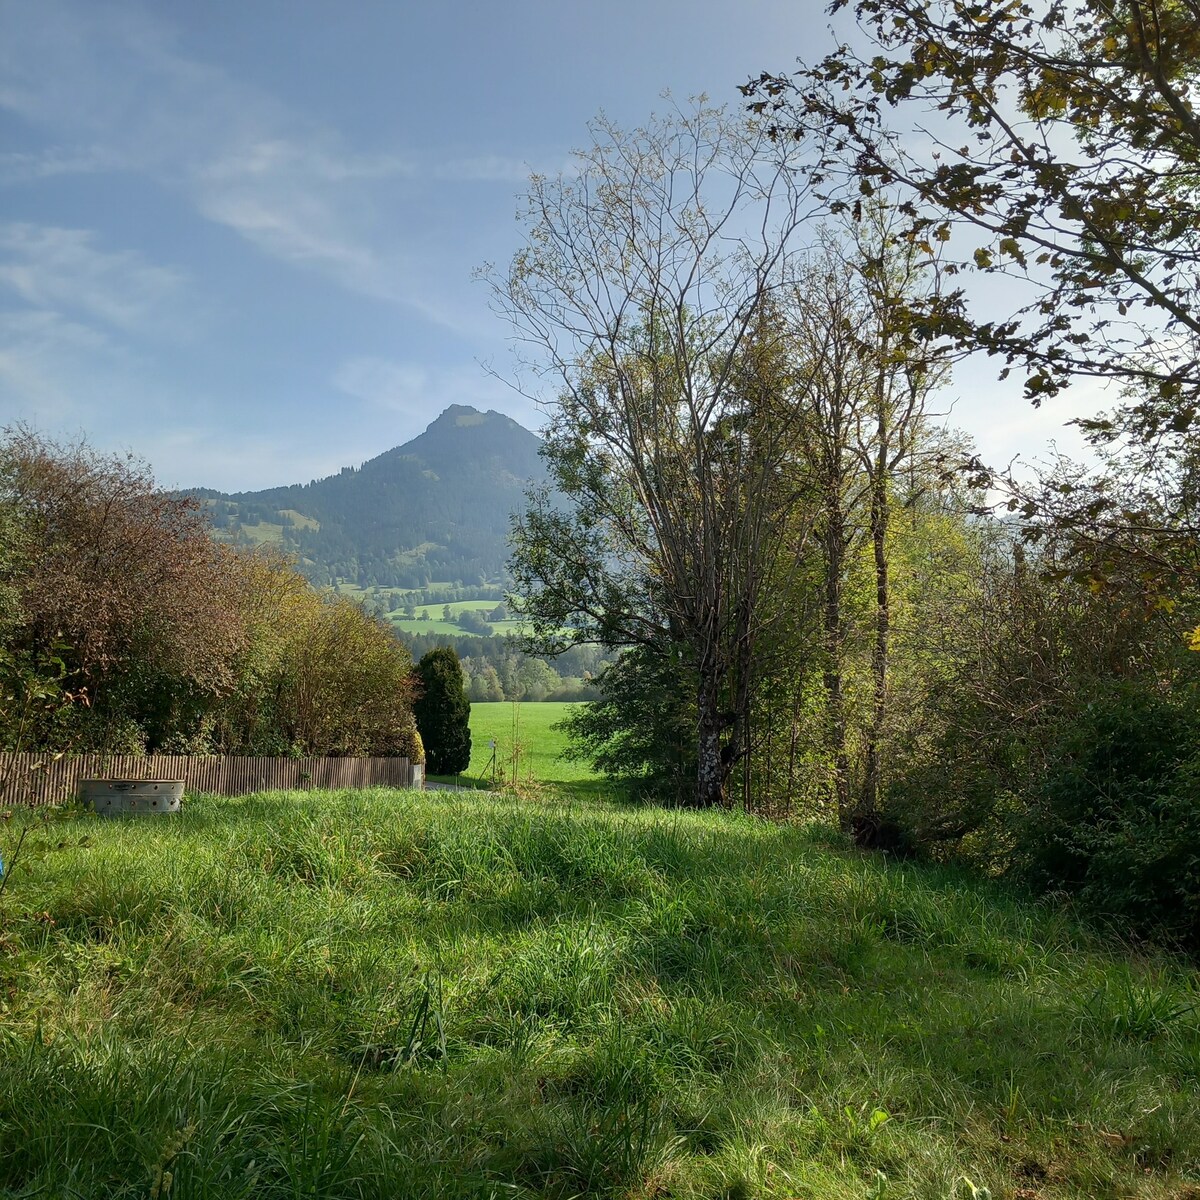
(384, 994)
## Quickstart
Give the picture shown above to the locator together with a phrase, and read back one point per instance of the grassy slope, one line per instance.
(432, 612)
(380, 994)
(434, 623)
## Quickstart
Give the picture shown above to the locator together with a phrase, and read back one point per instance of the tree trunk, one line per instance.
(868, 807)
(710, 768)
(835, 701)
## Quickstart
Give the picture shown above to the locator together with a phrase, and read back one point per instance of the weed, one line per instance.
(1141, 1012)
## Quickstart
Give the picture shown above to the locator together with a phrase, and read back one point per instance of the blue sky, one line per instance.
(238, 238)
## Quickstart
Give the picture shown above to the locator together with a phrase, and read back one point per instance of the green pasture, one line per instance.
(456, 606)
(408, 625)
(261, 533)
(428, 618)
(361, 995)
(528, 730)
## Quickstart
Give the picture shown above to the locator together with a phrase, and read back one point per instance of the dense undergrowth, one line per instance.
(388, 994)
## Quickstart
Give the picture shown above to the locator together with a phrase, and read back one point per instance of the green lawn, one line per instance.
(538, 746)
(456, 606)
(410, 625)
(431, 611)
(382, 994)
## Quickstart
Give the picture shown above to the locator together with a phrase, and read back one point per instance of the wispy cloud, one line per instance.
(73, 380)
(51, 268)
(18, 167)
(495, 168)
(300, 230)
(53, 369)
(279, 157)
(419, 393)
(290, 186)
(111, 88)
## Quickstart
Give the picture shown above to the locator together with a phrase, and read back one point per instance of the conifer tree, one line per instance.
(443, 712)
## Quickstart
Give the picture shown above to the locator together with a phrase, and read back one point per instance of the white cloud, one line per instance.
(290, 186)
(72, 381)
(58, 372)
(1007, 428)
(399, 387)
(279, 157)
(495, 168)
(300, 230)
(19, 167)
(63, 269)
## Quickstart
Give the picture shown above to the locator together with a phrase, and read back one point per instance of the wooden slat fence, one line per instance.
(36, 779)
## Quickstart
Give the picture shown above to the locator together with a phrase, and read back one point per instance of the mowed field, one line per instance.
(369, 995)
(538, 745)
(429, 617)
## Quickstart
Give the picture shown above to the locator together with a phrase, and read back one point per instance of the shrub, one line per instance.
(1116, 820)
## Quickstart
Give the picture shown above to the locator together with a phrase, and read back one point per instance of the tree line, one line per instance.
(127, 628)
(496, 668)
(823, 601)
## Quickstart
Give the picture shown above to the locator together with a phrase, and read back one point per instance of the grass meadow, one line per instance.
(428, 613)
(384, 994)
(527, 744)
(428, 617)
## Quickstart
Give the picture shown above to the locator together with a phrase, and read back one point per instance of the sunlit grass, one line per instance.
(527, 743)
(390, 994)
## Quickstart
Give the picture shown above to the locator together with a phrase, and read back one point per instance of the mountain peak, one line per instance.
(462, 414)
(436, 507)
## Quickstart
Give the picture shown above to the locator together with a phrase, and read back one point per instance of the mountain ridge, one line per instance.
(434, 508)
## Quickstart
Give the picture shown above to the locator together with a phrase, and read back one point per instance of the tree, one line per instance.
(122, 599)
(862, 418)
(1067, 139)
(343, 682)
(443, 712)
(645, 289)
(128, 628)
(642, 728)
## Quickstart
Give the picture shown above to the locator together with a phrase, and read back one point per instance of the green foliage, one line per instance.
(641, 732)
(1061, 742)
(1115, 818)
(127, 629)
(121, 611)
(669, 425)
(372, 994)
(443, 712)
(1065, 159)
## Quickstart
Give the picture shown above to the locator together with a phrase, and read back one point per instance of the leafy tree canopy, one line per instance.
(1064, 137)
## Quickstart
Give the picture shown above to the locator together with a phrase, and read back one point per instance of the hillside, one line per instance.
(435, 508)
(368, 995)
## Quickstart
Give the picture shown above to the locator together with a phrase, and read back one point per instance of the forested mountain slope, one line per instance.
(436, 508)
